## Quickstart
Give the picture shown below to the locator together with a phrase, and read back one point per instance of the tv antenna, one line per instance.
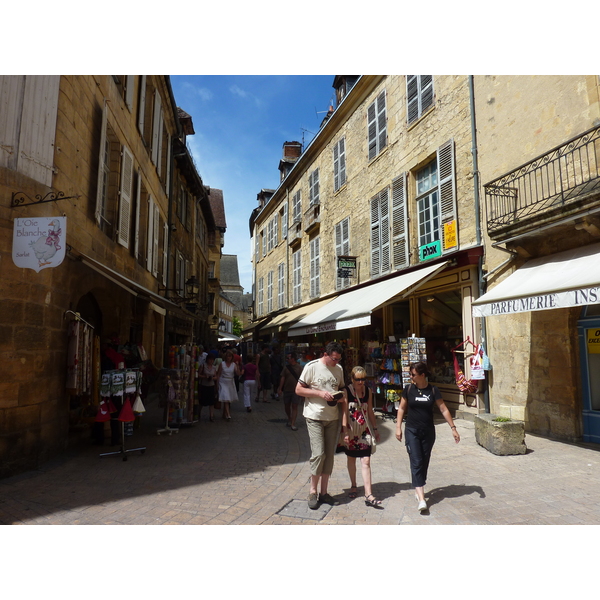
(308, 131)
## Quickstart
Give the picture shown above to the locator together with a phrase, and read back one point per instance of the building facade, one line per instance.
(91, 184)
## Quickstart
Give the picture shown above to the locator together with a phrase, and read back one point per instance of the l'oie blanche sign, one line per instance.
(39, 242)
(579, 297)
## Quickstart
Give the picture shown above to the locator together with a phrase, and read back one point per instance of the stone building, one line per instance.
(387, 183)
(95, 180)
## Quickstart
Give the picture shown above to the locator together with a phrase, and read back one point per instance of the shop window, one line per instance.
(440, 323)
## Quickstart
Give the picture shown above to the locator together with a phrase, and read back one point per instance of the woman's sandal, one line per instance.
(353, 492)
(370, 500)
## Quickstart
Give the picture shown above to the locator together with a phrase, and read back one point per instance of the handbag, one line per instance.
(465, 385)
(370, 437)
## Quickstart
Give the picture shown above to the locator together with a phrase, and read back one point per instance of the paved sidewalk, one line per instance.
(253, 470)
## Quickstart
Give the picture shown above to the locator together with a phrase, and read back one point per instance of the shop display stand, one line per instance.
(171, 398)
(123, 452)
(166, 428)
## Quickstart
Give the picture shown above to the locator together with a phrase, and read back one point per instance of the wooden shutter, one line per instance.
(281, 285)
(412, 98)
(129, 85)
(399, 223)
(381, 122)
(150, 234)
(269, 292)
(385, 230)
(372, 128)
(313, 182)
(342, 247)
(284, 221)
(165, 252)
(446, 188)
(155, 238)
(380, 233)
(375, 237)
(11, 107)
(136, 241)
(297, 262)
(156, 129)
(342, 162)
(125, 196)
(100, 185)
(315, 287)
(142, 106)
(426, 92)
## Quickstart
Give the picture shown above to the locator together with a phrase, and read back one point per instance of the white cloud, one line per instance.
(238, 91)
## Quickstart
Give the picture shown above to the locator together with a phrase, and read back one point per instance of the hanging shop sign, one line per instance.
(450, 240)
(593, 341)
(39, 242)
(429, 251)
(346, 266)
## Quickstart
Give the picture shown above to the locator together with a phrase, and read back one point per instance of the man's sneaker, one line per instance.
(313, 501)
(422, 506)
(327, 499)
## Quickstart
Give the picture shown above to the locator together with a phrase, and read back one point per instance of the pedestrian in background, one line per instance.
(225, 376)
(418, 399)
(249, 371)
(361, 434)
(276, 368)
(287, 389)
(319, 381)
(264, 369)
(207, 376)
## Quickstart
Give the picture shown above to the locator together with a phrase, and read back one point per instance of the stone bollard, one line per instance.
(500, 437)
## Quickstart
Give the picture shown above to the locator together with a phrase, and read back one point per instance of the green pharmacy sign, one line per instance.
(432, 250)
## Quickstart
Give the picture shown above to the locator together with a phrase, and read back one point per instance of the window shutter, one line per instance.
(412, 97)
(125, 194)
(281, 285)
(372, 128)
(129, 85)
(101, 152)
(315, 288)
(156, 128)
(149, 234)
(136, 242)
(336, 168)
(426, 92)
(342, 247)
(165, 252)
(297, 262)
(142, 106)
(342, 160)
(445, 165)
(168, 178)
(385, 230)
(313, 182)
(381, 122)
(284, 222)
(399, 222)
(155, 240)
(11, 99)
(269, 292)
(375, 237)
(276, 230)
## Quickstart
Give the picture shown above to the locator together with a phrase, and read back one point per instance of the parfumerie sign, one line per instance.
(579, 297)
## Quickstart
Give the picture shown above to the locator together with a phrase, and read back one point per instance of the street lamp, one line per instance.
(192, 290)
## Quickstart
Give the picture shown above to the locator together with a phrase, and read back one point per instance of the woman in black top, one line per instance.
(419, 398)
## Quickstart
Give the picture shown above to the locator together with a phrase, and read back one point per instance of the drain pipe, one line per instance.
(486, 393)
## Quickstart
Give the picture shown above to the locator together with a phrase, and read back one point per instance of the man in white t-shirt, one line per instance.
(319, 380)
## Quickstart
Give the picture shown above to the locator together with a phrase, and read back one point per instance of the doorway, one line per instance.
(589, 344)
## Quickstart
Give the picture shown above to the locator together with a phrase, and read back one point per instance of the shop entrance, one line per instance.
(589, 344)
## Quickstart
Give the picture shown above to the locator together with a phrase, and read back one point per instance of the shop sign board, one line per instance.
(39, 242)
(593, 341)
(429, 251)
(450, 235)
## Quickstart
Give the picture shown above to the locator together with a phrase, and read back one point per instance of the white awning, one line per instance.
(288, 318)
(354, 308)
(561, 280)
(228, 337)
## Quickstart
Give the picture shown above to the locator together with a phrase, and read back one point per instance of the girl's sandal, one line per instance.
(370, 500)
(353, 492)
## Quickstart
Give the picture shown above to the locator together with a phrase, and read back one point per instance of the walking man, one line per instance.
(287, 389)
(319, 381)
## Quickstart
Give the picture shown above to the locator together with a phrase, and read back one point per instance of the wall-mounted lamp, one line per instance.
(192, 289)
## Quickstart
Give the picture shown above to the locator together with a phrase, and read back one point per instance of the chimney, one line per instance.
(291, 153)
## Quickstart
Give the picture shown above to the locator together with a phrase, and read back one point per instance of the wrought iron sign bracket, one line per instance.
(19, 198)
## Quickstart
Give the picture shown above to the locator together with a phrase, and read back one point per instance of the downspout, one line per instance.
(481, 279)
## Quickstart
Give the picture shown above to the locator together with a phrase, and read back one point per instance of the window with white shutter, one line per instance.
(297, 207)
(313, 187)
(284, 221)
(155, 245)
(165, 261)
(103, 168)
(125, 196)
(315, 269)
(142, 106)
(297, 276)
(380, 234)
(129, 85)
(150, 235)
(281, 285)
(339, 165)
(377, 125)
(342, 248)
(138, 211)
(261, 292)
(419, 95)
(269, 292)
(157, 127)
(399, 223)
(446, 169)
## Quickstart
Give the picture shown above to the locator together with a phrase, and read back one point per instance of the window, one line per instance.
(264, 242)
(270, 292)
(339, 165)
(157, 131)
(125, 197)
(297, 207)
(284, 221)
(261, 292)
(377, 125)
(419, 95)
(342, 248)
(297, 276)
(315, 269)
(272, 233)
(281, 285)
(399, 223)
(313, 187)
(380, 234)
(152, 237)
(436, 201)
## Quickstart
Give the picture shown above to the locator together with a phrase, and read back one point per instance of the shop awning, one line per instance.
(228, 337)
(561, 280)
(354, 308)
(286, 319)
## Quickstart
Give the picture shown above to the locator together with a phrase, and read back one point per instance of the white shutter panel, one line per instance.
(426, 92)
(336, 168)
(168, 177)
(342, 161)
(101, 152)
(165, 252)
(129, 85)
(297, 277)
(142, 107)
(155, 240)
(342, 246)
(372, 128)
(284, 222)
(375, 237)
(381, 122)
(38, 127)
(399, 222)
(11, 106)
(136, 243)
(126, 192)
(156, 128)
(150, 234)
(445, 162)
(385, 230)
(412, 98)
(315, 288)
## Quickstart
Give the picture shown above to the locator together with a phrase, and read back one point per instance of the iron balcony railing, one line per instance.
(553, 180)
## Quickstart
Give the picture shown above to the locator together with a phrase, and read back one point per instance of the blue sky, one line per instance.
(241, 123)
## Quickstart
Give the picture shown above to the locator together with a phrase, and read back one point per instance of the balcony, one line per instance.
(563, 184)
(312, 217)
(294, 234)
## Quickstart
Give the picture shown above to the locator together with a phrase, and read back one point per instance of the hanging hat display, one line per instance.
(103, 413)
(138, 405)
(126, 415)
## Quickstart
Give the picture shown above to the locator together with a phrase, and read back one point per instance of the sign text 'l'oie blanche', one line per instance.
(547, 301)
(320, 328)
